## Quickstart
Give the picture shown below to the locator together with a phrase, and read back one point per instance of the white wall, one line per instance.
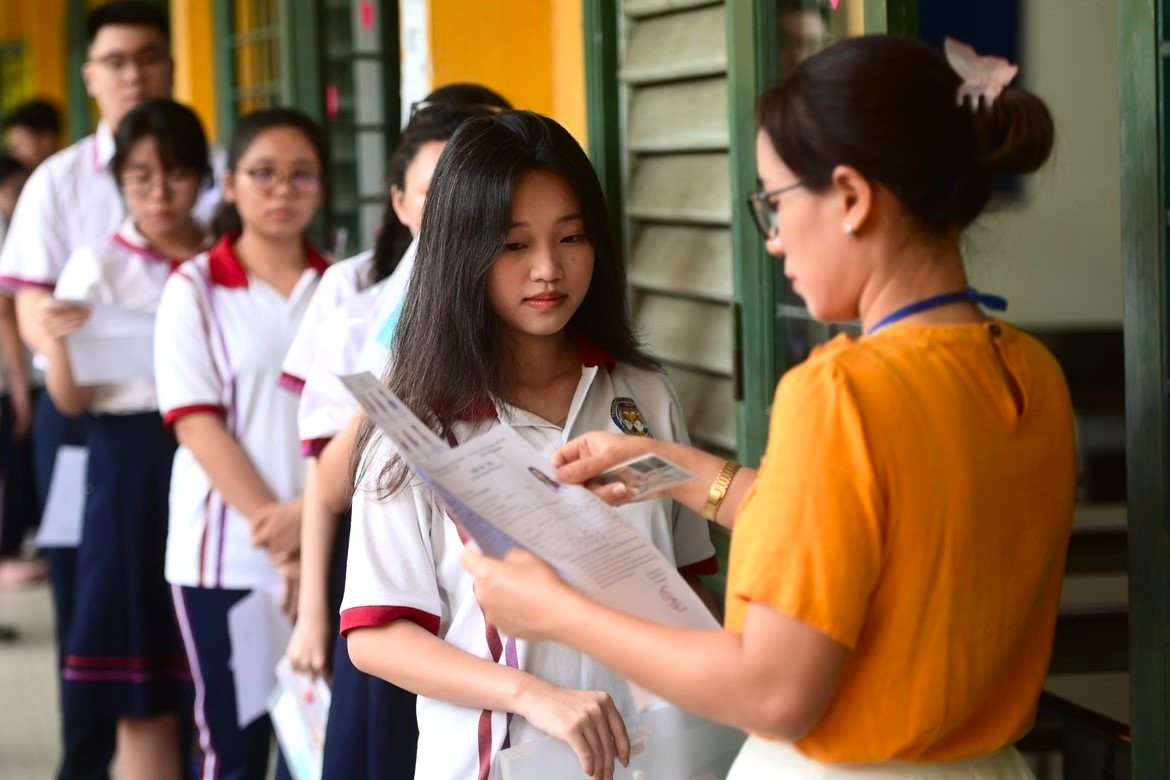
(1056, 255)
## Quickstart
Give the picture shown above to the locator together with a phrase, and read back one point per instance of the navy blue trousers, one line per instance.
(87, 742)
(228, 752)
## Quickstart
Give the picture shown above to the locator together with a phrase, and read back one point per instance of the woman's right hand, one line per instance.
(308, 649)
(587, 720)
(580, 460)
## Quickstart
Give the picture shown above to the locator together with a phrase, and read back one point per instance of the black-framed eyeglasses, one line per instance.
(179, 180)
(765, 208)
(150, 57)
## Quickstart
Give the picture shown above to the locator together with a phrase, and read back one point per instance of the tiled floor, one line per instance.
(28, 689)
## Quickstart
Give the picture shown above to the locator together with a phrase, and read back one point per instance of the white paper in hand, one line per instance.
(115, 345)
(299, 708)
(64, 517)
(664, 743)
(258, 632)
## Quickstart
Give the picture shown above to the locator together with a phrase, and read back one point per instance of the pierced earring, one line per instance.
(848, 228)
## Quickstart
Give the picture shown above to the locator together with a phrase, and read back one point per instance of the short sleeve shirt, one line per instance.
(404, 564)
(124, 270)
(914, 506)
(325, 405)
(220, 335)
(342, 281)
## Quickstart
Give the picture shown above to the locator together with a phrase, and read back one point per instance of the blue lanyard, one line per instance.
(993, 302)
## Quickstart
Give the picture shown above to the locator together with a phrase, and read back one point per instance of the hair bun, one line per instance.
(1015, 134)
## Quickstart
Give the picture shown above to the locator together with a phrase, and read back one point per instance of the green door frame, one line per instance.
(1144, 53)
(300, 60)
(80, 118)
(602, 95)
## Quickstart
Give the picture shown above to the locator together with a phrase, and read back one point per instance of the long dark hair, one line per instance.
(438, 121)
(176, 130)
(449, 356)
(886, 105)
(249, 127)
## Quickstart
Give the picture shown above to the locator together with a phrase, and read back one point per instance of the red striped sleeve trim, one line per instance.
(170, 417)
(311, 448)
(291, 382)
(369, 617)
(700, 568)
(16, 283)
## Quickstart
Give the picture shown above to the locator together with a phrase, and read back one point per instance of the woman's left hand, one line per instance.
(520, 594)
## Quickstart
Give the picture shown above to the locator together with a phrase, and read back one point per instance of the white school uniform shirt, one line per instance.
(219, 338)
(346, 343)
(71, 200)
(404, 564)
(342, 281)
(123, 269)
(325, 406)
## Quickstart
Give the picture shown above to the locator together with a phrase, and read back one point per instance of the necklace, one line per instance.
(558, 423)
(993, 302)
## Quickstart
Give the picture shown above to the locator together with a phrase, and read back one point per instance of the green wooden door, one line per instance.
(1145, 48)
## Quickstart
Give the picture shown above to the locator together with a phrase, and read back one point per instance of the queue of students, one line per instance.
(884, 603)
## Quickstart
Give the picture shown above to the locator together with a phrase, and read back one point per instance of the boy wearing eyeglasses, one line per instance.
(72, 200)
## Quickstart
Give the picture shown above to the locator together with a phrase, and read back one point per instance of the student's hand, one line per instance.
(520, 594)
(277, 527)
(587, 720)
(580, 460)
(60, 318)
(308, 649)
(290, 575)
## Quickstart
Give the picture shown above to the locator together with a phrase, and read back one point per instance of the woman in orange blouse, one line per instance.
(896, 561)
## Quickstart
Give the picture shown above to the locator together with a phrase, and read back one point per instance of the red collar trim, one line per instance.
(227, 270)
(483, 409)
(130, 240)
(592, 354)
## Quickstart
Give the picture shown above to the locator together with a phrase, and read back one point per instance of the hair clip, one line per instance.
(983, 77)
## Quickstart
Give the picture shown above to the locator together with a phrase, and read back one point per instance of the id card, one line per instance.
(646, 475)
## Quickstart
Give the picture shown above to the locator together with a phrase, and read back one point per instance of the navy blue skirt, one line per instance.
(372, 733)
(124, 656)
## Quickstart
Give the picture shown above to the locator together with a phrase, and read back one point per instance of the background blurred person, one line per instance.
(32, 132)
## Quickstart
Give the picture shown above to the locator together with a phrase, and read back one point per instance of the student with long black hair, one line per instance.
(371, 731)
(515, 312)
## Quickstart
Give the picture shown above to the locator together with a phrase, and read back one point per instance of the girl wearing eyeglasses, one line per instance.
(896, 562)
(124, 658)
(225, 323)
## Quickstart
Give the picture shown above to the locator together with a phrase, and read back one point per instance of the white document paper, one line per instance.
(504, 494)
(64, 517)
(115, 345)
(299, 708)
(258, 632)
(664, 743)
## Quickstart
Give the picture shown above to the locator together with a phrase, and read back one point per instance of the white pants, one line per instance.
(762, 759)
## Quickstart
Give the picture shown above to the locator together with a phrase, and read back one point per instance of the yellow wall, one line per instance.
(41, 27)
(193, 44)
(531, 51)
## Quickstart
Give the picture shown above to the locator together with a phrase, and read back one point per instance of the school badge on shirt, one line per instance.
(627, 417)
